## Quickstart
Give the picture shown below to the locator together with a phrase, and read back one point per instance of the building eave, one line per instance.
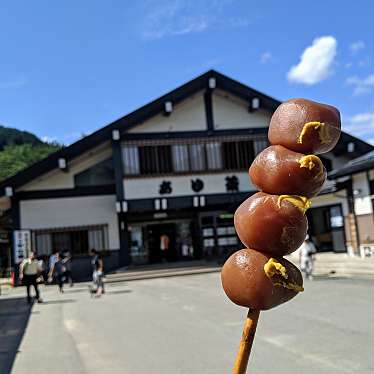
(352, 169)
(133, 119)
(150, 110)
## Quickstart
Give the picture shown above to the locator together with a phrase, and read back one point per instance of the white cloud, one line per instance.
(361, 85)
(49, 139)
(361, 125)
(181, 17)
(315, 63)
(265, 57)
(191, 25)
(356, 46)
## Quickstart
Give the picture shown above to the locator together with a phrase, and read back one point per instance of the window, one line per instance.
(230, 155)
(371, 186)
(43, 243)
(190, 157)
(97, 175)
(77, 240)
(214, 156)
(237, 155)
(197, 157)
(148, 162)
(130, 155)
(245, 154)
(259, 145)
(163, 155)
(180, 157)
(155, 159)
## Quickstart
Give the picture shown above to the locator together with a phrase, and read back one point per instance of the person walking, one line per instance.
(307, 251)
(164, 247)
(67, 260)
(58, 271)
(52, 259)
(17, 271)
(97, 273)
(29, 273)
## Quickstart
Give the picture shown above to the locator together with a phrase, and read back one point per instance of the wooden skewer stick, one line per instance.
(246, 342)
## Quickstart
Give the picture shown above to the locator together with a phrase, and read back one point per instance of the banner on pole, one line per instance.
(21, 244)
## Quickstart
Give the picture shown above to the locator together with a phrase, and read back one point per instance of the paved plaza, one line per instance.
(185, 325)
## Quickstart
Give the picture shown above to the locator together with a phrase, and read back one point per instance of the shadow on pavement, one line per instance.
(14, 317)
(64, 301)
(77, 290)
(117, 292)
(328, 277)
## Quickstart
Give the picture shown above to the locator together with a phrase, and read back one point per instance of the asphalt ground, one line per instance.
(186, 325)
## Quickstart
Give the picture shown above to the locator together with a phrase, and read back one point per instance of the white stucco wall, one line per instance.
(188, 115)
(58, 179)
(143, 188)
(331, 199)
(230, 112)
(362, 199)
(68, 212)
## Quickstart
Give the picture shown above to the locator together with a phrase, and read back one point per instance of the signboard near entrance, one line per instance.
(21, 244)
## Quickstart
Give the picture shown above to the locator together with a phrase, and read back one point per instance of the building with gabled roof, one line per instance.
(356, 180)
(176, 167)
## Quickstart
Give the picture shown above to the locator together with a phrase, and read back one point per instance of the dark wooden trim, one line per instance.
(351, 209)
(190, 173)
(185, 203)
(68, 192)
(208, 104)
(129, 121)
(148, 111)
(194, 134)
(118, 169)
(124, 254)
(15, 213)
(16, 224)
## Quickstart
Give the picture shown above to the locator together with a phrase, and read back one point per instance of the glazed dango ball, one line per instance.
(305, 126)
(257, 280)
(272, 223)
(275, 224)
(277, 170)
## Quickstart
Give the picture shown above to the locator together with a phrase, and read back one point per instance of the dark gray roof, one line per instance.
(357, 165)
(157, 106)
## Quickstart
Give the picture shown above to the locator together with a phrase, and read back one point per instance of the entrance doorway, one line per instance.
(154, 234)
(219, 239)
(326, 227)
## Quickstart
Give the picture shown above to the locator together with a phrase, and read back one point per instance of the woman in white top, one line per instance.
(29, 273)
(307, 250)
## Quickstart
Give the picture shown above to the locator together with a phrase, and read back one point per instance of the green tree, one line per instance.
(10, 136)
(17, 157)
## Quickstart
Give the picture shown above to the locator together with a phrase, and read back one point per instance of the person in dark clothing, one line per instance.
(29, 273)
(67, 260)
(17, 272)
(58, 270)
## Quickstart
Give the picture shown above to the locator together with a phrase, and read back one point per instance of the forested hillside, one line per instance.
(20, 149)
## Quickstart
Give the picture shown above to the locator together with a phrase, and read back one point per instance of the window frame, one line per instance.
(155, 144)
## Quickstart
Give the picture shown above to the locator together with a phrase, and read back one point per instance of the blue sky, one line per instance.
(71, 68)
